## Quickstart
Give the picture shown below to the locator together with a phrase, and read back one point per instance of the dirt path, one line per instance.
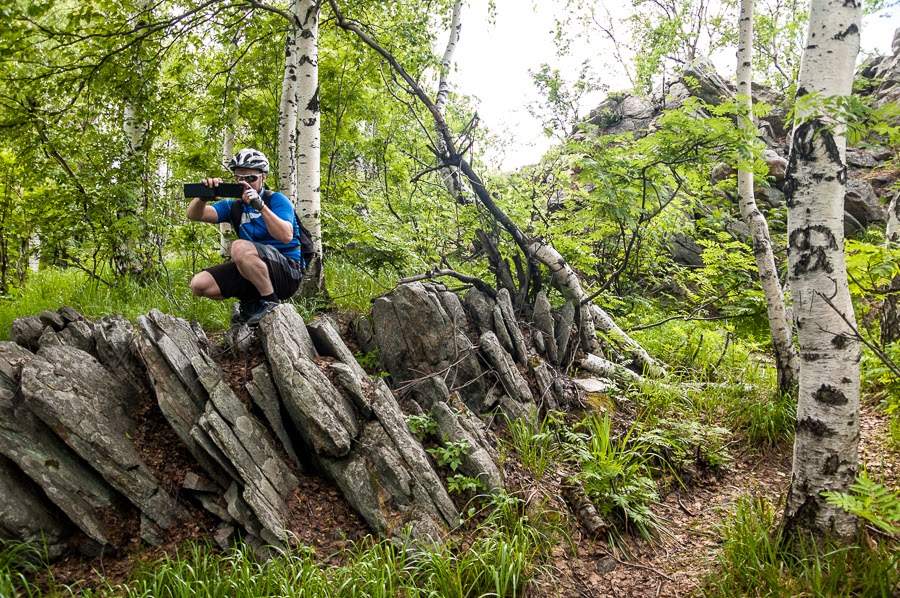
(677, 566)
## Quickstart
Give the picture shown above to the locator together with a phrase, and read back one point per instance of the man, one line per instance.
(266, 264)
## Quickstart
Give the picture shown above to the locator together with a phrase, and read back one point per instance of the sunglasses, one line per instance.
(250, 178)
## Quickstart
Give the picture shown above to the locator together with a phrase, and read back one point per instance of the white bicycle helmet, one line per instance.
(249, 158)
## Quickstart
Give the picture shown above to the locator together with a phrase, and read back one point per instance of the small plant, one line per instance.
(536, 449)
(371, 362)
(877, 504)
(757, 560)
(615, 474)
(421, 426)
(461, 484)
(451, 453)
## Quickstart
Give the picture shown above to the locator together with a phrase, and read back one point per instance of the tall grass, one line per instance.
(756, 560)
(54, 287)
(507, 551)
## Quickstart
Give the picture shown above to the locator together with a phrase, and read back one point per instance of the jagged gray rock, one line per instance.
(26, 331)
(417, 338)
(520, 353)
(318, 410)
(85, 405)
(481, 308)
(515, 385)
(477, 462)
(563, 318)
(52, 319)
(115, 346)
(327, 341)
(262, 389)
(68, 482)
(25, 517)
(543, 321)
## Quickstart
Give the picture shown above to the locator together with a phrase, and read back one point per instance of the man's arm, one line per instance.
(278, 228)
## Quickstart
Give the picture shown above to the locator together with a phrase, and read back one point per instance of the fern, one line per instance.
(874, 502)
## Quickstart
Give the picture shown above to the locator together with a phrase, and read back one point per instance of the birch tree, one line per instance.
(890, 307)
(452, 179)
(786, 361)
(827, 433)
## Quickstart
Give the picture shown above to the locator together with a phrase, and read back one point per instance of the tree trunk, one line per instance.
(890, 307)
(287, 116)
(450, 174)
(308, 148)
(827, 435)
(225, 228)
(786, 362)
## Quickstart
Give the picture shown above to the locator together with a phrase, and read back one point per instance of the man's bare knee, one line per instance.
(241, 250)
(204, 285)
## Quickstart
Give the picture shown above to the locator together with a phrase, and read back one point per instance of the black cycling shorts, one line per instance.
(284, 272)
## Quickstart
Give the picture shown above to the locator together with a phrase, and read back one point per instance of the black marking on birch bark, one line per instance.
(308, 122)
(848, 31)
(307, 34)
(811, 244)
(804, 518)
(811, 356)
(850, 4)
(816, 427)
(748, 63)
(313, 105)
(801, 91)
(832, 463)
(839, 341)
(830, 396)
(306, 59)
(846, 380)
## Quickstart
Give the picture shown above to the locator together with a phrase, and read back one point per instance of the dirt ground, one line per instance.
(673, 566)
(677, 565)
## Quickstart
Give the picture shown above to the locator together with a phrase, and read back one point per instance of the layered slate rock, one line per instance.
(417, 337)
(210, 418)
(316, 407)
(86, 407)
(361, 442)
(25, 516)
(67, 480)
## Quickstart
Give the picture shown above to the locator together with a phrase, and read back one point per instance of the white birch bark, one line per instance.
(567, 281)
(308, 122)
(287, 116)
(451, 175)
(786, 361)
(308, 150)
(827, 435)
(225, 229)
(890, 307)
(892, 231)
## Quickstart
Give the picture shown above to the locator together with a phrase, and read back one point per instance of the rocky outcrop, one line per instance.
(89, 410)
(75, 473)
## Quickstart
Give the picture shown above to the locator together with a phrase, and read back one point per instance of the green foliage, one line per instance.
(874, 502)
(757, 560)
(52, 288)
(507, 550)
(421, 426)
(539, 449)
(615, 473)
(17, 561)
(461, 484)
(450, 453)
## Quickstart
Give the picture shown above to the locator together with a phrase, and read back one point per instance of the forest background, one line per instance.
(106, 109)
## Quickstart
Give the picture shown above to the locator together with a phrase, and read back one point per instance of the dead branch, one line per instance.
(437, 273)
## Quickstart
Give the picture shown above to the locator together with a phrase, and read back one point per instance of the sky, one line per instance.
(493, 63)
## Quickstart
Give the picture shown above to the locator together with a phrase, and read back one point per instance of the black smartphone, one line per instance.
(205, 193)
